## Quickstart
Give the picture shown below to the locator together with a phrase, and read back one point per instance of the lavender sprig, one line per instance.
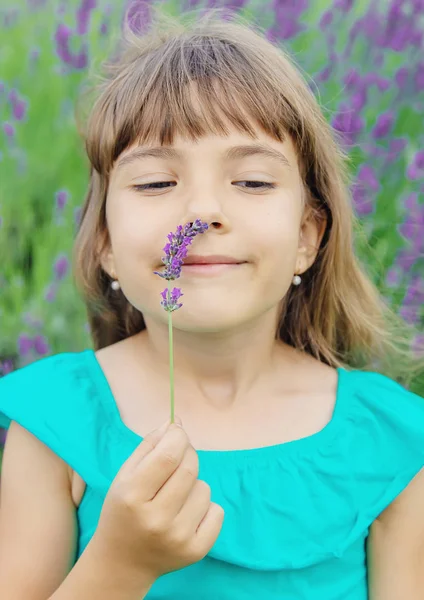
(177, 247)
(175, 251)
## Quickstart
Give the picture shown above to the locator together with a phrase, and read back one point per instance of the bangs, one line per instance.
(189, 87)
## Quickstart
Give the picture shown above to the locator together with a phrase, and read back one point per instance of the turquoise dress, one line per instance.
(297, 514)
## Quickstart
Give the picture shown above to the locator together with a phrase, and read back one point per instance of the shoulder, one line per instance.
(50, 366)
(381, 395)
(389, 418)
(59, 401)
(383, 430)
(396, 542)
(39, 384)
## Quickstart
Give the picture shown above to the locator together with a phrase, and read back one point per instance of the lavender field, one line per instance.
(363, 59)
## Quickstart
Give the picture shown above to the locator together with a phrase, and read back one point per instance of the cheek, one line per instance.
(133, 237)
(278, 229)
(137, 251)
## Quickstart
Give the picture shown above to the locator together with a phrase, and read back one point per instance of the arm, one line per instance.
(38, 533)
(93, 577)
(396, 547)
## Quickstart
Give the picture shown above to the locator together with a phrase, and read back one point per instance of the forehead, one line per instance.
(225, 149)
(232, 144)
(201, 113)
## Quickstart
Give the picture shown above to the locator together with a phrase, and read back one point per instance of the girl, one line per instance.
(297, 471)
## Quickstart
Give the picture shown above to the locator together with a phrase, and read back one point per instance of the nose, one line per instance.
(209, 210)
(213, 225)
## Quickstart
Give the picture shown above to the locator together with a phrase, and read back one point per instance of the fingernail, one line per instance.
(178, 421)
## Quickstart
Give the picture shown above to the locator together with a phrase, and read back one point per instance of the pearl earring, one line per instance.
(296, 280)
(115, 285)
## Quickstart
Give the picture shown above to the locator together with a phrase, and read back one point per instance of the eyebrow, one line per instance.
(233, 153)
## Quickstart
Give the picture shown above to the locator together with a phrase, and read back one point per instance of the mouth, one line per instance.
(210, 265)
(210, 268)
(215, 259)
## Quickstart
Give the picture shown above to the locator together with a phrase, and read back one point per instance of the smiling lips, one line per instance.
(215, 259)
(209, 265)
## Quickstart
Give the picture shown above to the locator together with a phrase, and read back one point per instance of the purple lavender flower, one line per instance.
(170, 299)
(348, 123)
(6, 367)
(359, 98)
(139, 16)
(418, 344)
(416, 168)
(61, 199)
(401, 77)
(8, 129)
(61, 267)
(419, 78)
(326, 19)
(344, 5)
(324, 75)
(384, 124)
(80, 61)
(177, 248)
(413, 300)
(25, 344)
(352, 79)
(19, 109)
(83, 16)
(62, 37)
(364, 189)
(19, 106)
(41, 345)
(175, 252)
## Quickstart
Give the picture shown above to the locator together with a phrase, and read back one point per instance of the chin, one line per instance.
(208, 319)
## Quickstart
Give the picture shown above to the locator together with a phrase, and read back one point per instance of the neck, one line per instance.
(219, 368)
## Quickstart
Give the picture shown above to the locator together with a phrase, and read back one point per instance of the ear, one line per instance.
(107, 262)
(312, 231)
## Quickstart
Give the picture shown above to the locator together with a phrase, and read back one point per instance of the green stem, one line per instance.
(171, 360)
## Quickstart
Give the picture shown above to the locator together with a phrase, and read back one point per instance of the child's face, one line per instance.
(249, 222)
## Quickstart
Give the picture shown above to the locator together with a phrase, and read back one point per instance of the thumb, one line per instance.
(153, 438)
(150, 442)
(158, 433)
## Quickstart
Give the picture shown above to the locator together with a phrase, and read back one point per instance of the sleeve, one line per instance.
(387, 448)
(22, 390)
(56, 400)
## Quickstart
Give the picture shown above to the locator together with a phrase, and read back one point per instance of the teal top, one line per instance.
(297, 514)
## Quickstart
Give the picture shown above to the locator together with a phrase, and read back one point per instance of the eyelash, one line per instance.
(146, 186)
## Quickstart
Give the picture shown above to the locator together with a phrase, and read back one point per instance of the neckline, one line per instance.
(311, 442)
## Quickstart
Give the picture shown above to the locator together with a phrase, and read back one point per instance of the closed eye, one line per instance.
(256, 185)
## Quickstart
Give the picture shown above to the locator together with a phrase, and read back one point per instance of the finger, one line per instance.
(172, 496)
(209, 529)
(149, 443)
(156, 468)
(195, 508)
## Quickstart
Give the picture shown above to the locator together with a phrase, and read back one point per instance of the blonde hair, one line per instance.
(337, 314)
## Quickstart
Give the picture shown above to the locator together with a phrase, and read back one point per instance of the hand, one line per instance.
(157, 516)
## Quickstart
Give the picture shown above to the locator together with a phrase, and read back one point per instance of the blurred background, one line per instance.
(364, 59)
